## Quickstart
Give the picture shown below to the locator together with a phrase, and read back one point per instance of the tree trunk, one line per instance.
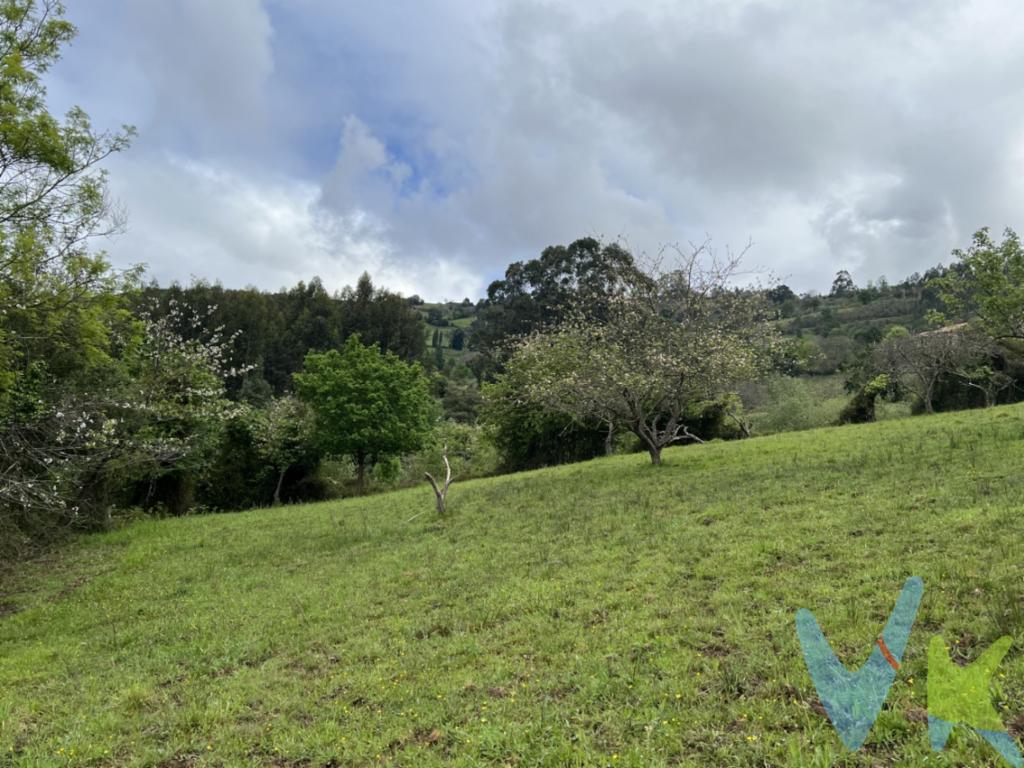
(608, 446)
(928, 396)
(277, 490)
(648, 440)
(655, 452)
(990, 396)
(361, 472)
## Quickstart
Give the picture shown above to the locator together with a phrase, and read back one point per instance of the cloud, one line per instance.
(433, 144)
(194, 220)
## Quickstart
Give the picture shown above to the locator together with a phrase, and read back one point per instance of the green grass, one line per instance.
(606, 613)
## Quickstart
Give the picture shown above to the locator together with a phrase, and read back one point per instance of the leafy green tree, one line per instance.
(921, 362)
(382, 318)
(368, 405)
(780, 294)
(987, 284)
(273, 331)
(527, 435)
(861, 408)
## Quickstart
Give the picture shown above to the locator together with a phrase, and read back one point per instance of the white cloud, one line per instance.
(194, 219)
(434, 143)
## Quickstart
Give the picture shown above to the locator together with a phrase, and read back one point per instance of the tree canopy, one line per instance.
(987, 282)
(368, 405)
(539, 293)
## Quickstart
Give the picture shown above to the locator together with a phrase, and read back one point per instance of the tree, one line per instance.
(987, 284)
(367, 405)
(435, 316)
(461, 398)
(458, 339)
(537, 294)
(175, 405)
(920, 362)
(683, 338)
(61, 314)
(861, 408)
(780, 294)
(843, 285)
(283, 436)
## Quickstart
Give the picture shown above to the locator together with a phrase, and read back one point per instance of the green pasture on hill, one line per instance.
(601, 614)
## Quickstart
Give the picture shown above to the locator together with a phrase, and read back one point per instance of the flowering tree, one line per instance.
(174, 402)
(283, 436)
(682, 338)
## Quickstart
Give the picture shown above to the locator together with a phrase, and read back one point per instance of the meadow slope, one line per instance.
(605, 613)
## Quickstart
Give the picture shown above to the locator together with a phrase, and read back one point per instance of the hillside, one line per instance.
(606, 613)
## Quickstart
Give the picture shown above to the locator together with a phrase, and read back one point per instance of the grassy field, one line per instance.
(602, 614)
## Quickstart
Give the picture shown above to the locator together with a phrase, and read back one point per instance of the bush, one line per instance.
(861, 408)
(469, 450)
(785, 404)
(527, 436)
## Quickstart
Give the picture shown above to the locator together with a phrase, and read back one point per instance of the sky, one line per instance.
(432, 144)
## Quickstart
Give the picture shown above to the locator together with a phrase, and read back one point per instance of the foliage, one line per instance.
(987, 283)
(461, 399)
(861, 408)
(368, 405)
(683, 338)
(175, 406)
(566, 616)
(470, 453)
(61, 319)
(527, 435)
(920, 362)
(843, 285)
(537, 294)
(789, 404)
(274, 331)
(283, 436)
(236, 475)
